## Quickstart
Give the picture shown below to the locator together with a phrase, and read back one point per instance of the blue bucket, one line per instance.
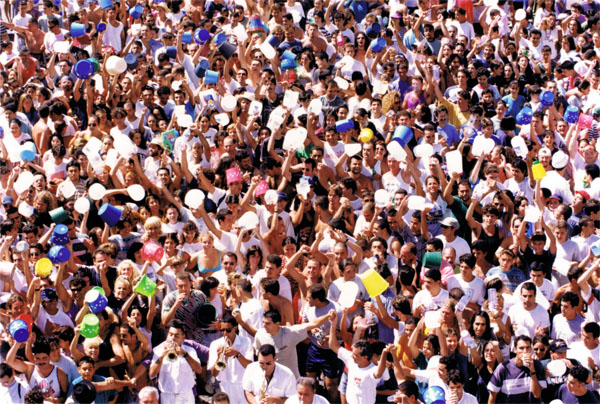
(171, 52)
(60, 235)
(403, 134)
(255, 24)
(59, 254)
(524, 116)
(288, 64)
(359, 9)
(378, 45)
(84, 69)
(373, 30)
(96, 301)
(571, 114)
(211, 77)
(187, 38)
(288, 55)
(434, 394)
(136, 11)
(344, 125)
(202, 67)
(19, 330)
(219, 38)
(131, 60)
(227, 49)
(273, 41)
(110, 214)
(104, 4)
(101, 26)
(28, 151)
(77, 30)
(547, 98)
(201, 36)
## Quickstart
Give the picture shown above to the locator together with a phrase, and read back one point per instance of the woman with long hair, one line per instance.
(172, 220)
(27, 108)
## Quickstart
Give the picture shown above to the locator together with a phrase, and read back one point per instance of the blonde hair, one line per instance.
(152, 221)
(134, 270)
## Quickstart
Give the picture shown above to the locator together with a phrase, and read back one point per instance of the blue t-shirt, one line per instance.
(569, 398)
(513, 106)
(102, 397)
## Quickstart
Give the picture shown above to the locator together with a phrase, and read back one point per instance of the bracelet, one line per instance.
(37, 290)
(185, 355)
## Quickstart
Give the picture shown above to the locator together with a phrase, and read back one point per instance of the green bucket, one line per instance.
(90, 326)
(145, 286)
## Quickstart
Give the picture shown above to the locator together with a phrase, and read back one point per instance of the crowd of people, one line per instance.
(262, 201)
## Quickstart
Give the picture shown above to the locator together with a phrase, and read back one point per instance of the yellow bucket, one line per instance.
(43, 267)
(538, 170)
(374, 283)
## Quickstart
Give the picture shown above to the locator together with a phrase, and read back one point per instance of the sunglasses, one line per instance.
(226, 329)
(76, 290)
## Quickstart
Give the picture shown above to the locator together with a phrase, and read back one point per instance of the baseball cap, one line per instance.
(557, 197)
(585, 194)
(48, 295)
(558, 345)
(449, 221)
(544, 151)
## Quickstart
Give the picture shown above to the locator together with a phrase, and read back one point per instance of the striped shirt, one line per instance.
(513, 383)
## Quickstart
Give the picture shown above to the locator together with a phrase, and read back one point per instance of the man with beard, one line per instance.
(354, 171)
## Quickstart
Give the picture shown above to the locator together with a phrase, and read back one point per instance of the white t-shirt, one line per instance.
(476, 285)
(538, 317)
(459, 244)
(252, 313)
(423, 297)
(362, 383)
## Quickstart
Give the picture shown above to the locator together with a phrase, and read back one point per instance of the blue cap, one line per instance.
(282, 196)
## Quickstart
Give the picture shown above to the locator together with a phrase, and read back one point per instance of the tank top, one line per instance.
(492, 243)
(48, 386)
(112, 37)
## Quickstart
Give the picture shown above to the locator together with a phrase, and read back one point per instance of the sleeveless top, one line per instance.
(48, 386)
(203, 270)
(492, 243)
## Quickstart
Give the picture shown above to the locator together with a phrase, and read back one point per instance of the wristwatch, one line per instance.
(185, 355)
(237, 355)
